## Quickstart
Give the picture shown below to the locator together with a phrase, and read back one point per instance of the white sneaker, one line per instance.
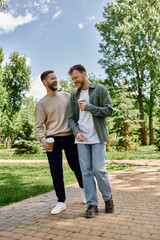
(83, 198)
(59, 208)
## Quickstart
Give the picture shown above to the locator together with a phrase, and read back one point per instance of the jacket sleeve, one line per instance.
(72, 117)
(106, 109)
(39, 121)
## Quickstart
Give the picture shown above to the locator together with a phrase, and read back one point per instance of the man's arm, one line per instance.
(72, 118)
(39, 130)
(101, 111)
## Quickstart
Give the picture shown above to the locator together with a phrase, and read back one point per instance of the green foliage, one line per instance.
(3, 5)
(158, 140)
(16, 80)
(24, 139)
(126, 119)
(15, 83)
(66, 85)
(26, 147)
(130, 46)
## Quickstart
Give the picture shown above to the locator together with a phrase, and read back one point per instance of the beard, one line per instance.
(82, 83)
(52, 87)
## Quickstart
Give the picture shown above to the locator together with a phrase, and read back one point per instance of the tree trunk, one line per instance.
(151, 106)
(143, 129)
(7, 143)
(151, 132)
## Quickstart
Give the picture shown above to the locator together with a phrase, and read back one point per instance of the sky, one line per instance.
(53, 35)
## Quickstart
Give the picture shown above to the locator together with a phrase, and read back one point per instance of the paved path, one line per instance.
(136, 194)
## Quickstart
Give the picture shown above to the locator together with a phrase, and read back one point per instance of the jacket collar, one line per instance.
(93, 84)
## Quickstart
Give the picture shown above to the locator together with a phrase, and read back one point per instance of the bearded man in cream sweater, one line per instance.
(52, 111)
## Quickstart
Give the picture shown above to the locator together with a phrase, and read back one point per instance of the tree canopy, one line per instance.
(3, 5)
(130, 46)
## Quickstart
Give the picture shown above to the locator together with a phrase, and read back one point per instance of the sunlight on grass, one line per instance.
(19, 181)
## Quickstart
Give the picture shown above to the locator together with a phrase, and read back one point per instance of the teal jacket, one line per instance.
(99, 106)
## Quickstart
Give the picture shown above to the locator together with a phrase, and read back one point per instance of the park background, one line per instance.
(119, 44)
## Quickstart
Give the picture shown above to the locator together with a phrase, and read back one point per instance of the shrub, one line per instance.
(27, 147)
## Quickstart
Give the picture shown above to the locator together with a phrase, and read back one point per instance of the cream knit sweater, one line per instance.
(51, 113)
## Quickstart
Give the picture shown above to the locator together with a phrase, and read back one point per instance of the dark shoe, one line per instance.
(91, 211)
(109, 206)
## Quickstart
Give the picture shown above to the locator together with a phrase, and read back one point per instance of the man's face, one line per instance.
(78, 78)
(51, 81)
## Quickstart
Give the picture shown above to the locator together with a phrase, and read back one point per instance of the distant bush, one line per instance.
(157, 142)
(26, 147)
(126, 143)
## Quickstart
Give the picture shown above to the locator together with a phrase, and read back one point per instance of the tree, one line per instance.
(130, 45)
(3, 93)
(66, 85)
(16, 80)
(24, 139)
(3, 5)
(125, 119)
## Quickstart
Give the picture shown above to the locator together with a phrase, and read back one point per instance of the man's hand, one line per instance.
(45, 145)
(82, 105)
(75, 90)
(80, 137)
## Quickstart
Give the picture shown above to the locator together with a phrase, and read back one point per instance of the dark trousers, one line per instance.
(55, 163)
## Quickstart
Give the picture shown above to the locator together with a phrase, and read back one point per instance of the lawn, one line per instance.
(19, 181)
(144, 152)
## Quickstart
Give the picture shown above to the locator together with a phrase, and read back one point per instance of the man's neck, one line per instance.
(51, 93)
(86, 85)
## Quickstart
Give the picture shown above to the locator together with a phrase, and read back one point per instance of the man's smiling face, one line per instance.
(51, 81)
(78, 78)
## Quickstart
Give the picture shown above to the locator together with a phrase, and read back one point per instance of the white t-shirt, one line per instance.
(85, 123)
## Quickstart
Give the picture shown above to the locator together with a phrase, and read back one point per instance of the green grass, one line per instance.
(144, 152)
(19, 181)
(8, 154)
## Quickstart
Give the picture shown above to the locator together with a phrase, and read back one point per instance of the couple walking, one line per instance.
(81, 125)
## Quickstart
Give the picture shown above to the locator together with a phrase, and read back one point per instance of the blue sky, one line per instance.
(53, 34)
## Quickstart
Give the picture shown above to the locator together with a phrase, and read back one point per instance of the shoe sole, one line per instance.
(109, 211)
(59, 212)
(91, 216)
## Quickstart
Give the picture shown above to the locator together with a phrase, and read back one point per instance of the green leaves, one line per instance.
(3, 5)
(130, 46)
(16, 80)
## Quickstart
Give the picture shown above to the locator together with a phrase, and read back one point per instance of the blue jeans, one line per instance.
(92, 163)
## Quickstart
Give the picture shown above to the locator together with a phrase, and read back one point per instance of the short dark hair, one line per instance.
(78, 67)
(44, 74)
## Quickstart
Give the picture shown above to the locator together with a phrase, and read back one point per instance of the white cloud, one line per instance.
(28, 62)
(91, 18)
(57, 14)
(80, 25)
(45, 9)
(37, 89)
(8, 23)
(42, 5)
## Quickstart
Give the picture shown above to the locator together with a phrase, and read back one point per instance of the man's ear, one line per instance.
(84, 74)
(44, 82)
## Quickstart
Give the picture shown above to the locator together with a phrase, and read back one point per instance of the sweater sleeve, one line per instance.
(72, 117)
(39, 121)
(101, 111)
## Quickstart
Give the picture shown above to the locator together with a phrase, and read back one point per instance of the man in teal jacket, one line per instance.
(89, 107)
